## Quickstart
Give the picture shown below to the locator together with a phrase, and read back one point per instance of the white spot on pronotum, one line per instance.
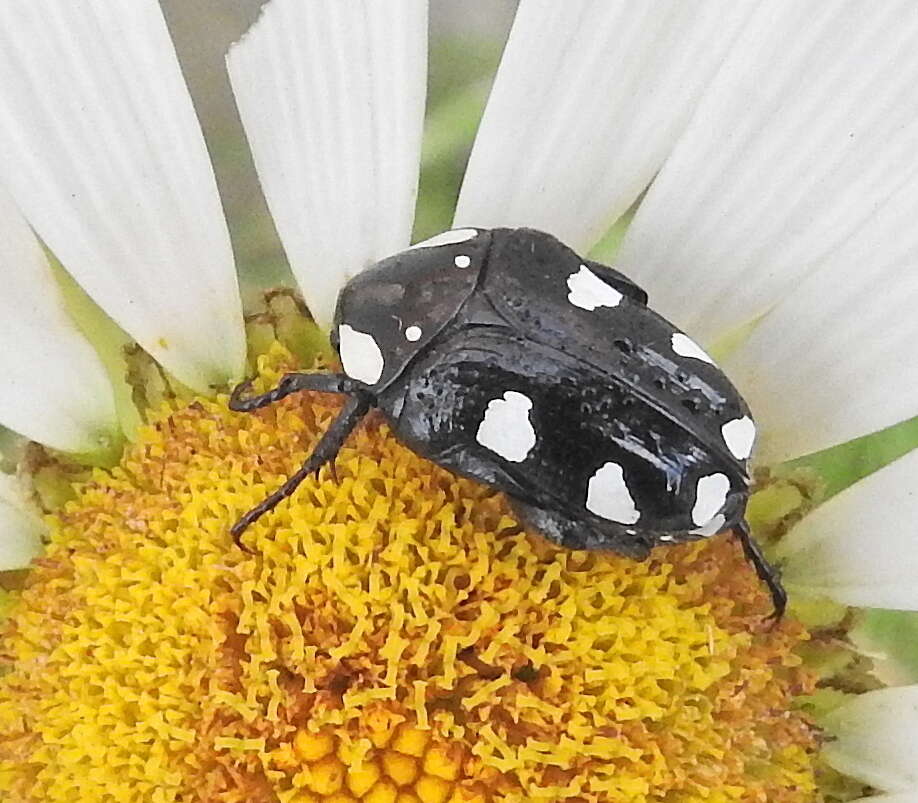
(450, 237)
(413, 333)
(588, 291)
(713, 527)
(462, 261)
(608, 495)
(739, 435)
(506, 428)
(710, 495)
(360, 355)
(686, 347)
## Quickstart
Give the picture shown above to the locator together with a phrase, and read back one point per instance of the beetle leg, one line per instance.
(290, 383)
(767, 573)
(326, 450)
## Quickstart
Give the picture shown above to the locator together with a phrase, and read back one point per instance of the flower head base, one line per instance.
(395, 636)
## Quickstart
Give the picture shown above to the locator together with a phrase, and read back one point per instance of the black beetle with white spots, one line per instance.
(502, 355)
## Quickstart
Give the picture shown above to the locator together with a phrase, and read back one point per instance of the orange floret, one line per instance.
(394, 636)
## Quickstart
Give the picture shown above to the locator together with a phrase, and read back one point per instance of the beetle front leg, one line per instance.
(326, 450)
(767, 573)
(290, 383)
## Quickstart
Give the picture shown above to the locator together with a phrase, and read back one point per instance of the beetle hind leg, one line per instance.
(767, 573)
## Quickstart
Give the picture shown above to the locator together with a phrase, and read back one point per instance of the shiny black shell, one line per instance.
(504, 356)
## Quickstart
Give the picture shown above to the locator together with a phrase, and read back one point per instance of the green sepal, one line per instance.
(891, 637)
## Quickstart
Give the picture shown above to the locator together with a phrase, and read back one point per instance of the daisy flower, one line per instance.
(396, 635)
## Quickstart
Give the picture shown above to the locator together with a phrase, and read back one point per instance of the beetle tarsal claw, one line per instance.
(238, 396)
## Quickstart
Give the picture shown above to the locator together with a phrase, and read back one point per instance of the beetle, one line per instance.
(503, 356)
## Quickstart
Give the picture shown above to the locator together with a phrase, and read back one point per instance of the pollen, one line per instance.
(392, 635)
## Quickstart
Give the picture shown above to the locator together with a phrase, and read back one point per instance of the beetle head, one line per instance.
(389, 312)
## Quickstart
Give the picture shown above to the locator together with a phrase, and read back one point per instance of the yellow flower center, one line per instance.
(395, 636)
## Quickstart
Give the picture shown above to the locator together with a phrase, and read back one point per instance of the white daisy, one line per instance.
(775, 143)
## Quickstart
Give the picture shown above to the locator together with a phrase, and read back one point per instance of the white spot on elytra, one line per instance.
(506, 428)
(588, 291)
(360, 355)
(686, 347)
(413, 333)
(608, 495)
(462, 261)
(710, 495)
(712, 527)
(739, 435)
(450, 237)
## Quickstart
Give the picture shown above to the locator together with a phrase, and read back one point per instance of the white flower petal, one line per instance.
(20, 527)
(810, 124)
(588, 100)
(835, 359)
(53, 388)
(859, 547)
(104, 156)
(331, 93)
(875, 738)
